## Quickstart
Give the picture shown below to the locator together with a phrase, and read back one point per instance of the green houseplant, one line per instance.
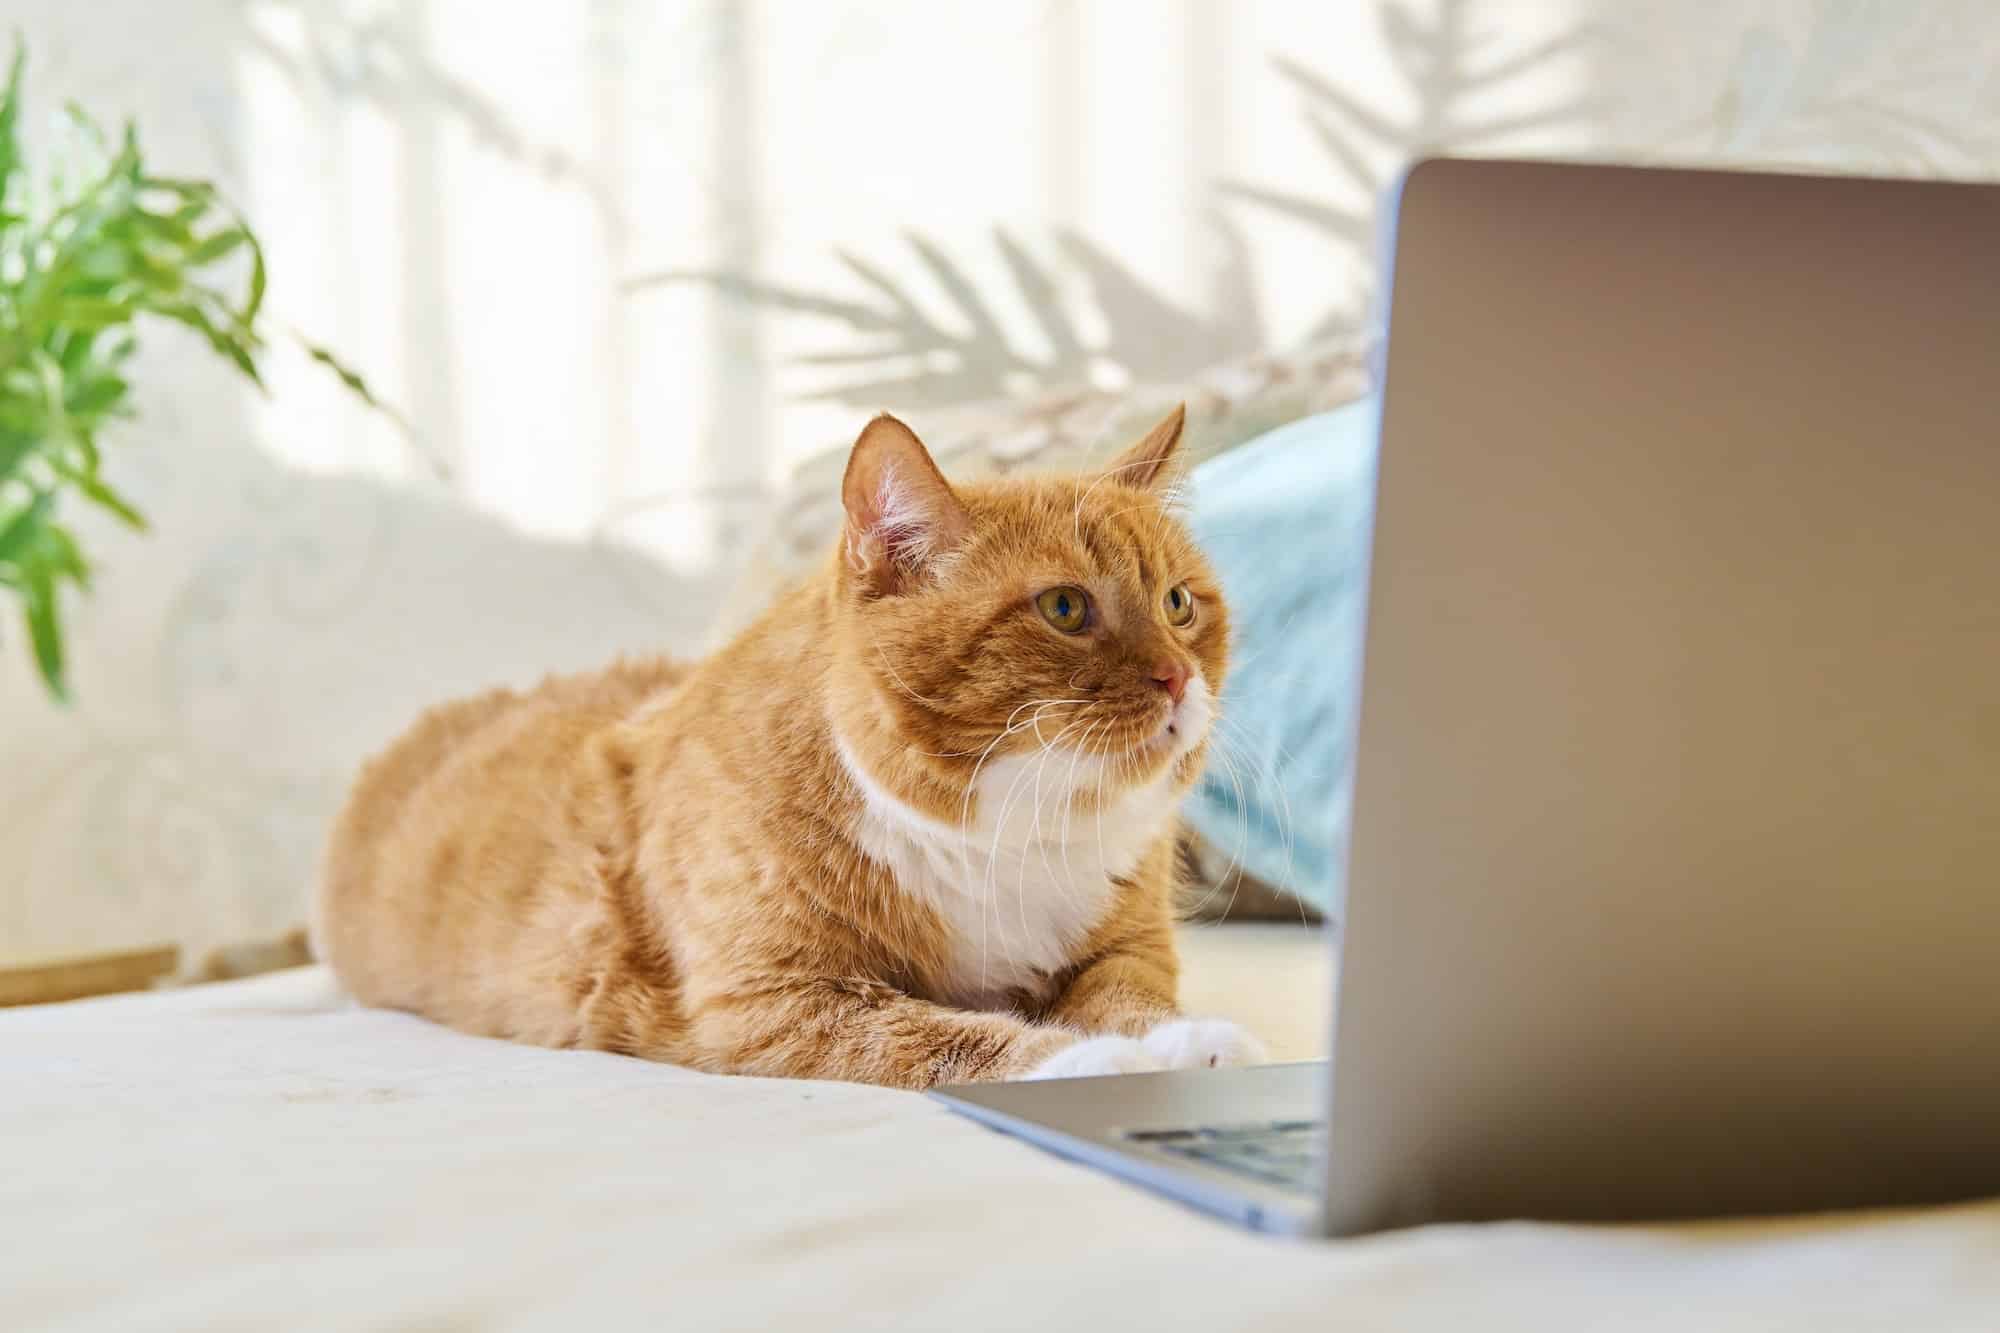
(90, 258)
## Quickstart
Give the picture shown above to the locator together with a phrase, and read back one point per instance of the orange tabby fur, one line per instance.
(746, 864)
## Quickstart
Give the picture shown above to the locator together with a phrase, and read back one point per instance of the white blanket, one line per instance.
(261, 1155)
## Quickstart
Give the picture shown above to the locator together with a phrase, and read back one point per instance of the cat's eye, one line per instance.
(1179, 604)
(1065, 608)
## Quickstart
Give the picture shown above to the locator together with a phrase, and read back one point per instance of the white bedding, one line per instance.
(261, 1155)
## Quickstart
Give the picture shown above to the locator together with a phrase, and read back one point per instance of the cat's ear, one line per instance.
(1144, 465)
(902, 516)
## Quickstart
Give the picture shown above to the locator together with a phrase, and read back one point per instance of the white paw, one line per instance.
(1203, 1043)
(1097, 1055)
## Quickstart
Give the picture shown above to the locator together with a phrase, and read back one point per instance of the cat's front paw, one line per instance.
(1202, 1043)
(1097, 1055)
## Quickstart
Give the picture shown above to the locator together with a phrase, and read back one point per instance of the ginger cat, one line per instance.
(914, 826)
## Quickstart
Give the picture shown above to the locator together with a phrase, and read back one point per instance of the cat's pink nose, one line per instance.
(1173, 678)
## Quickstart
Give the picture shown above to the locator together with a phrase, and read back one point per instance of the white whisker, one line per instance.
(1035, 831)
(1271, 783)
(999, 830)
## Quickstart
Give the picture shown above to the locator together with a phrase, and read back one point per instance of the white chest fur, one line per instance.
(1024, 877)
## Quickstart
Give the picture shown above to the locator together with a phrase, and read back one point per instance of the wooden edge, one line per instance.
(78, 978)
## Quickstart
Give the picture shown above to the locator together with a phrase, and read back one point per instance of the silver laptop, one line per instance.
(1674, 875)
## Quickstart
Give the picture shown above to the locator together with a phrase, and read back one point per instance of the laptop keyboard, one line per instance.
(1282, 1152)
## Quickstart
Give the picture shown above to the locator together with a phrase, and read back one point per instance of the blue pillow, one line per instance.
(1285, 521)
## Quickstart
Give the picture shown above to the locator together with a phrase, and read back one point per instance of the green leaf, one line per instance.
(185, 188)
(99, 396)
(50, 372)
(38, 598)
(74, 354)
(255, 303)
(60, 553)
(19, 533)
(100, 494)
(10, 118)
(345, 373)
(92, 312)
(166, 227)
(221, 244)
(226, 341)
(14, 446)
(351, 379)
(83, 123)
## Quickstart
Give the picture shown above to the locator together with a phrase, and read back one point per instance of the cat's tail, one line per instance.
(233, 961)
